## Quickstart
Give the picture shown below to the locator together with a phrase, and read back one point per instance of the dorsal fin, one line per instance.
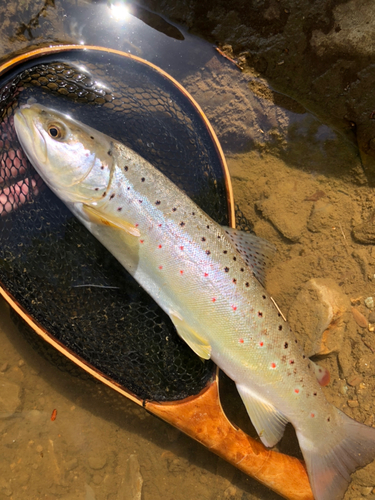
(256, 251)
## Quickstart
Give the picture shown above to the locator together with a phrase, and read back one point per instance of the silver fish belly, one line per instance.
(207, 279)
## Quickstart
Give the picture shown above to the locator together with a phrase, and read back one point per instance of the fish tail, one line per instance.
(344, 447)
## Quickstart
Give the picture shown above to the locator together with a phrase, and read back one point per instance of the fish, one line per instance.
(209, 279)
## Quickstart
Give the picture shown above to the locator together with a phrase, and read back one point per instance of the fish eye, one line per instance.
(56, 130)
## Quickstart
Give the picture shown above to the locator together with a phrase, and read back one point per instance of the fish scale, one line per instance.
(207, 278)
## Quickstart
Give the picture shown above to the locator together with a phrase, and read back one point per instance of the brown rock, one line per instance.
(359, 318)
(354, 379)
(317, 316)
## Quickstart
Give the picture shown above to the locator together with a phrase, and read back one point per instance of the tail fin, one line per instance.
(330, 462)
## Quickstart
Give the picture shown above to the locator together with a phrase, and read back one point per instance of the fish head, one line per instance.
(72, 158)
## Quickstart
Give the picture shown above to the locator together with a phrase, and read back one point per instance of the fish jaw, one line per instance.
(34, 143)
(72, 164)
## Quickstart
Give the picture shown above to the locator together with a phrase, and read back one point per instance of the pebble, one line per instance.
(97, 462)
(354, 379)
(369, 302)
(353, 403)
(359, 318)
(9, 397)
(71, 464)
(132, 482)
(176, 466)
(366, 490)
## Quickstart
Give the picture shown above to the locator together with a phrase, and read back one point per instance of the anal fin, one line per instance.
(195, 341)
(267, 420)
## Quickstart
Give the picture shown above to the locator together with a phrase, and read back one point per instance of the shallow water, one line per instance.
(279, 157)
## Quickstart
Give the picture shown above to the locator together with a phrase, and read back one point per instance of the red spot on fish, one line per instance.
(181, 271)
(261, 344)
(312, 415)
(141, 241)
(273, 365)
(213, 300)
(234, 308)
(296, 391)
(241, 341)
(181, 248)
(136, 225)
(206, 274)
(54, 415)
(160, 267)
(159, 246)
(159, 225)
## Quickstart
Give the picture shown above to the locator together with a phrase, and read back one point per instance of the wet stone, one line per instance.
(132, 482)
(353, 403)
(97, 462)
(354, 380)
(9, 397)
(317, 316)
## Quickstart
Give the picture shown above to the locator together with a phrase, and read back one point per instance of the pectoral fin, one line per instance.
(197, 343)
(267, 420)
(98, 217)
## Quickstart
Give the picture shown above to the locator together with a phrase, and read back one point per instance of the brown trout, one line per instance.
(206, 278)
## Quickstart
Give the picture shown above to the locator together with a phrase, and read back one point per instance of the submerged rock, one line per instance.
(9, 397)
(317, 316)
(132, 482)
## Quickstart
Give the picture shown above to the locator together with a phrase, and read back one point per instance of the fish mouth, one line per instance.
(26, 127)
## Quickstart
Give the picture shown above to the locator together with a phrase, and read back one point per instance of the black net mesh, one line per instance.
(54, 268)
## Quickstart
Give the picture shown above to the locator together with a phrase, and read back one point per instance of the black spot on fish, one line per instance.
(143, 179)
(286, 345)
(96, 189)
(105, 192)
(91, 137)
(242, 269)
(260, 314)
(208, 227)
(264, 297)
(234, 280)
(219, 236)
(328, 419)
(126, 169)
(192, 213)
(304, 357)
(119, 209)
(140, 201)
(247, 284)
(280, 327)
(102, 167)
(225, 251)
(109, 153)
(174, 209)
(157, 202)
(208, 252)
(203, 239)
(315, 393)
(182, 224)
(226, 269)
(234, 258)
(112, 196)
